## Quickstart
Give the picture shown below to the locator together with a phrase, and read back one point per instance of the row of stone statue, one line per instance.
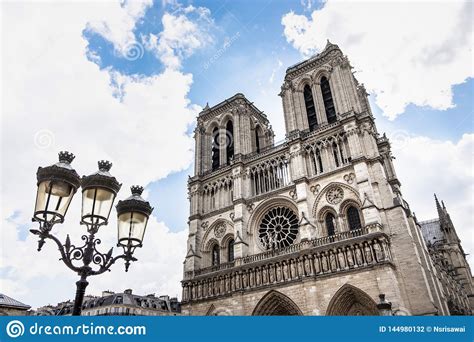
(336, 259)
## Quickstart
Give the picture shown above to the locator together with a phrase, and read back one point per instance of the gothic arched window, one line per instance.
(229, 141)
(215, 149)
(216, 260)
(320, 161)
(330, 220)
(310, 108)
(335, 152)
(230, 250)
(328, 101)
(353, 218)
(257, 139)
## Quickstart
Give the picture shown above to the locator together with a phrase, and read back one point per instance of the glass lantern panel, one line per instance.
(52, 200)
(96, 205)
(131, 226)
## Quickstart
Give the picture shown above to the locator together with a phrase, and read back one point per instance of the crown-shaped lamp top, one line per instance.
(66, 157)
(105, 165)
(136, 190)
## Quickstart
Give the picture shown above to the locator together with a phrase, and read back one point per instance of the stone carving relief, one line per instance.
(220, 230)
(349, 178)
(315, 189)
(335, 195)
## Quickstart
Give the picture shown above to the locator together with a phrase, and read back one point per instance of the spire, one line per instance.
(439, 209)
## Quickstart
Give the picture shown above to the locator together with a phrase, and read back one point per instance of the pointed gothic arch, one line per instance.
(275, 303)
(351, 301)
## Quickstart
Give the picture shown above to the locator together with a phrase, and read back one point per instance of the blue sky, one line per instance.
(258, 50)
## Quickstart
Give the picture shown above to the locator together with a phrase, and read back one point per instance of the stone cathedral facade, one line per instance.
(316, 225)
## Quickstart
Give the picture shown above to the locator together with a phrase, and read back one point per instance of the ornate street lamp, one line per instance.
(57, 185)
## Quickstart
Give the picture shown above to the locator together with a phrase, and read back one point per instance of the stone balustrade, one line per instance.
(312, 258)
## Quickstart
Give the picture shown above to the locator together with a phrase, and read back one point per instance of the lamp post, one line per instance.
(384, 307)
(57, 185)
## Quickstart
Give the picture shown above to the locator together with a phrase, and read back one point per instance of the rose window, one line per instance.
(279, 228)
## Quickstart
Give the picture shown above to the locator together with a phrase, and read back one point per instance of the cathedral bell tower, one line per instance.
(224, 133)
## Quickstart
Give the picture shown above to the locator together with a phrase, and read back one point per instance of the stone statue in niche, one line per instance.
(368, 254)
(358, 255)
(324, 262)
(307, 267)
(244, 280)
(332, 260)
(300, 267)
(379, 255)
(350, 261)
(285, 271)
(265, 275)
(239, 286)
(277, 272)
(317, 264)
(258, 279)
(271, 274)
(292, 269)
(342, 261)
(227, 289)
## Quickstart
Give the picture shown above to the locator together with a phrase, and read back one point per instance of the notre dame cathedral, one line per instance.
(316, 225)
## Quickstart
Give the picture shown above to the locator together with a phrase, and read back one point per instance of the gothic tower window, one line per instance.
(335, 152)
(257, 139)
(230, 250)
(320, 161)
(215, 149)
(215, 255)
(353, 218)
(310, 108)
(229, 141)
(328, 101)
(330, 227)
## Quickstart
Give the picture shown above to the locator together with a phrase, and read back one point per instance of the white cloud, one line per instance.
(404, 52)
(444, 168)
(117, 22)
(185, 30)
(55, 99)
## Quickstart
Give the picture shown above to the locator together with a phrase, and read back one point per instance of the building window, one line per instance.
(335, 152)
(230, 250)
(229, 141)
(328, 101)
(257, 139)
(353, 218)
(278, 228)
(215, 149)
(310, 108)
(215, 255)
(330, 224)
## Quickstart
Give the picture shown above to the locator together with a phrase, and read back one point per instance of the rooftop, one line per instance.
(9, 302)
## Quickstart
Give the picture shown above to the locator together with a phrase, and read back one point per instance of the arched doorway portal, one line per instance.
(351, 301)
(275, 303)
